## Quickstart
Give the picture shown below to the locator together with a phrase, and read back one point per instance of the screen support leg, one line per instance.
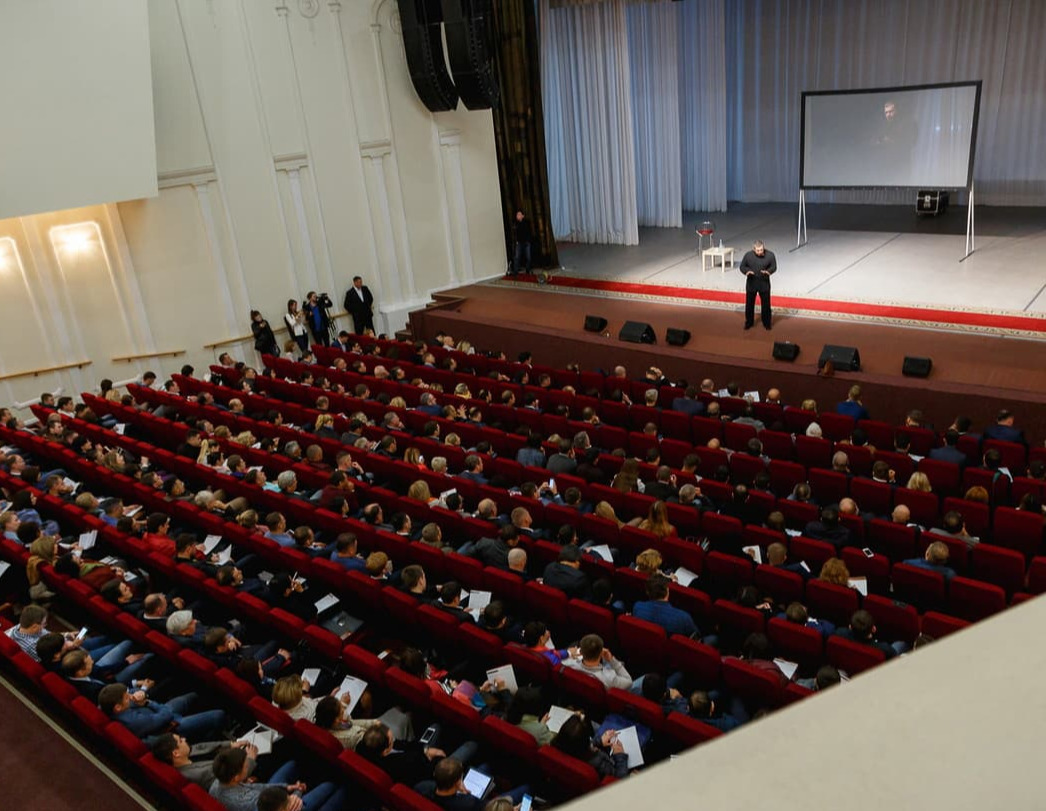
(970, 246)
(800, 232)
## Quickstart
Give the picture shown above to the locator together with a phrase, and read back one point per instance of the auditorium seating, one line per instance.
(905, 600)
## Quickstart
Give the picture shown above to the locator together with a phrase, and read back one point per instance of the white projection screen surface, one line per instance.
(76, 102)
(922, 137)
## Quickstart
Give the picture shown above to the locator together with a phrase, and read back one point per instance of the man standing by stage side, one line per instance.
(359, 302)
(523, 239)
(758, 265)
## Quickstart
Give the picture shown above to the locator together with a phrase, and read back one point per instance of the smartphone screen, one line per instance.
(82, 634)
(525, 805)
(868, 553)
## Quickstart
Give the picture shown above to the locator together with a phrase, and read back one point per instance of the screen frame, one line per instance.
(892, 89)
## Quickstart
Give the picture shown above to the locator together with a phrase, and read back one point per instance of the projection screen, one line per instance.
(922, 137)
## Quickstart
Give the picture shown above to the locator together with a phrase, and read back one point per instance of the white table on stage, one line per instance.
(721, 252)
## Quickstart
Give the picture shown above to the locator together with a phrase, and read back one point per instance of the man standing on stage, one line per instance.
(359, 302)
(758, 265)
(523, 238)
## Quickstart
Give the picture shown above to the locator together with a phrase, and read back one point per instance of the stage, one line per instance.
(888, 293)
(881, 264)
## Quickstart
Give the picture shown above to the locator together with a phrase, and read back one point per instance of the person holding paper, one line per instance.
(537, 638)
(333, 714)
(607, 755)
(450, 602)
(175, 750)
(527, 710)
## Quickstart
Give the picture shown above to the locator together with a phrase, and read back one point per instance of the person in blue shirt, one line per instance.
(935, 560)
(796, 613)
(852, 405)
(656, 609)
(277, 525)
(147, 719)
(346, 553)
(706, 707)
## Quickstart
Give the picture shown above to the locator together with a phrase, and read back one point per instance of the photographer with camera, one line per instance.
(316, 316)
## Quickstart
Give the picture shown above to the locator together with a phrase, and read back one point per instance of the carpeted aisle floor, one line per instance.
(41, 769)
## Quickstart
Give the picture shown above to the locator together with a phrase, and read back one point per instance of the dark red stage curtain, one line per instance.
(519, 127)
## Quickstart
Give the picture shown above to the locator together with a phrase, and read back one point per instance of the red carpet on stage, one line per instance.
(896, 314)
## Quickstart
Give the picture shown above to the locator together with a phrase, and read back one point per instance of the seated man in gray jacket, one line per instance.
(599, 663)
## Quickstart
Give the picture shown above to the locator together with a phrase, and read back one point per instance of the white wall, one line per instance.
(69, 71)
(292, 154)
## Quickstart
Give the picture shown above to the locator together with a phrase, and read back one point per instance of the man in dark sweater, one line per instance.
(758, 265)
(523, 239)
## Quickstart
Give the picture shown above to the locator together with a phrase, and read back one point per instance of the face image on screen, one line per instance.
(920, 137)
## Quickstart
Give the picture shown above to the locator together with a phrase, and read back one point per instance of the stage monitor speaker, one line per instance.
(677, 337)
(843, 358)
(916, 367)
(593, 323)
(931, 202)
(470, 40)
(422, 24)
(785, 350)
(637, 332)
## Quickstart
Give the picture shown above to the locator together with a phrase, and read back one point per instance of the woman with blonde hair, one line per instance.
(649, 561)
(289, 695)
(397, 402)
(465, 348)
(452, 439)
(244, 439)
(604, 510)
(41, 553)
(222, 432)
(412, 456)
(419, 491)
(834, 571)
(919, 481)
(656, 520)
(462, 390)
(114, 460)
(809, 405)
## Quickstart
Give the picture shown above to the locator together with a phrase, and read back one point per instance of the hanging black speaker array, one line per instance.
(468, 26)
(422, 23)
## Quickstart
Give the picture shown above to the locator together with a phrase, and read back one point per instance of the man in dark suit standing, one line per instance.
(758, 265)
(524, 236)
(359, 302)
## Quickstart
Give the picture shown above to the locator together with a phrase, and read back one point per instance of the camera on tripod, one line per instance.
(325, 301)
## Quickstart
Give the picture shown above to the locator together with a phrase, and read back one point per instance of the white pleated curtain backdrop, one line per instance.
(587, 95)
(653, 44)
